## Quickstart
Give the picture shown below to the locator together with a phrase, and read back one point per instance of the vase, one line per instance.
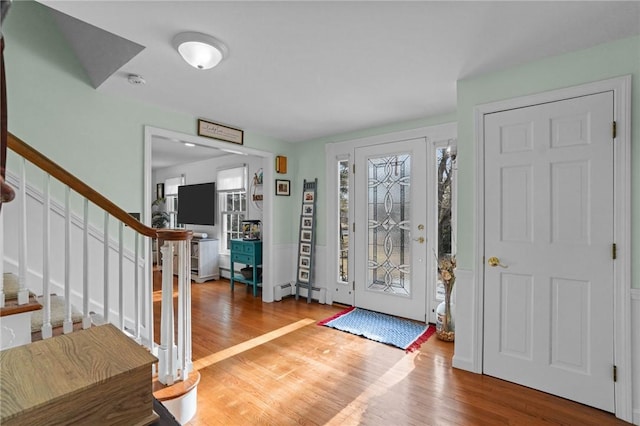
(445, 329)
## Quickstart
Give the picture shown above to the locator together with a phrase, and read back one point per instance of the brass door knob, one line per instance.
(494, 261)
(420, 240)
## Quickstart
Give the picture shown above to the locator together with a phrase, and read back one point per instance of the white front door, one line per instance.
(390, 236)
(548, 316)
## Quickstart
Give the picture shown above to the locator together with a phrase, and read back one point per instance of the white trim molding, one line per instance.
(269, 281)
(345, 150)
(463, 356)
(621, 87)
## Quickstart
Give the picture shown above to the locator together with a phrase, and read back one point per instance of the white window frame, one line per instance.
(231, 180)
(171, 198)
(225, 211)
(341, 159)
(433, 231)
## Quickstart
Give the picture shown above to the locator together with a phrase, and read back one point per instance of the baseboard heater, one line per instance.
(288, 289)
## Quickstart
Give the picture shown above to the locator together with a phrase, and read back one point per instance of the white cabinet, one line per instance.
(204, 260)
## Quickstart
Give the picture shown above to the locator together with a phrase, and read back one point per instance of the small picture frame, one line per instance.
(307, 209)
(283, 187)
(307, 222)
(305, 249)
(308, 196)
(303, 275)
(305, 262)
(305, 236)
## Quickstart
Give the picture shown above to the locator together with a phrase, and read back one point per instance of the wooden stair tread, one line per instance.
(163, 393)
(11, 307)
(84, 375)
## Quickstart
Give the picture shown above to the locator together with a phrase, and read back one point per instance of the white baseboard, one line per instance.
(463, 363)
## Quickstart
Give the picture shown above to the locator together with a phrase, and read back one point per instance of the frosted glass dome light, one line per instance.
(199, 50)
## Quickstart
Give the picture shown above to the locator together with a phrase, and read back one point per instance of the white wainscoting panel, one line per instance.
(635, 353)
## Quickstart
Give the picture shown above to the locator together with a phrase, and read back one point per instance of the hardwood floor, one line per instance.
(269, 363)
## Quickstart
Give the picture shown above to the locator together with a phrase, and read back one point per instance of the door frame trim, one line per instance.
(346, 150)
(267, 218)
(621, 86)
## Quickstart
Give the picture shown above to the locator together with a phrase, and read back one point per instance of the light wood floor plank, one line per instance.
(270, 364)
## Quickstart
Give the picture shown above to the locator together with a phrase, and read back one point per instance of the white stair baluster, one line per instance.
(181, 291)
(105, 312)
(184, 309)
(86, 315)
(67, 324)
(46, 247)
(23, 292)
(166, 352)
(137, 289)
(147, 297)
(121, 276)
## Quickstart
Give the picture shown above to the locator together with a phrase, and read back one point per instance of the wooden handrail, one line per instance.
(35, 157)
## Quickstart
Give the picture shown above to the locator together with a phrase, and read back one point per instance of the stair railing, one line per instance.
(82, 283)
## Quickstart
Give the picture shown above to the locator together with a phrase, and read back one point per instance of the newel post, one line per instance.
(174, 361)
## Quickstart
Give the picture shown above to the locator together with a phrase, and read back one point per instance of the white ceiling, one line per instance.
(303, 70)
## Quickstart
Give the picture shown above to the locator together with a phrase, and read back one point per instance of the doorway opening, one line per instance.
(236, 155)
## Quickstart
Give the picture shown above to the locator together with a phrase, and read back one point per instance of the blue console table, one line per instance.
(250, 254)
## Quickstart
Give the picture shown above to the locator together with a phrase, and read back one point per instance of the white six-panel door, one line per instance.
(548, 316)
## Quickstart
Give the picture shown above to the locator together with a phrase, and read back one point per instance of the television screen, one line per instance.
(196, 204)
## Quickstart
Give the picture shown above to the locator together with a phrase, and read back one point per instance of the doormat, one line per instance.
(398, 332)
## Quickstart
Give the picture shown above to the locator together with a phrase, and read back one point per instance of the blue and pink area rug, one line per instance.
(398, 332)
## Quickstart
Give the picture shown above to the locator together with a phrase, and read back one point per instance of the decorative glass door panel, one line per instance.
(389, 224)
(390, 213)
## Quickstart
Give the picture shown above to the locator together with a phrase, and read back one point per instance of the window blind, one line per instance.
(232, 180)
(171, 185)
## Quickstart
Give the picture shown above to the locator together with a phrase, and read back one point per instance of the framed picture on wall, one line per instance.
(307, 209)
(307, 222)
(305, 248)
(283, 187)
(305, 236)
(303, 275)
(305, 261)
(308, 196)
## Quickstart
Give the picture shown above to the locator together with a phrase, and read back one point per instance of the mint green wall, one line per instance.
(95, 136)
(597, 63)
(310, 161)
(99, 137)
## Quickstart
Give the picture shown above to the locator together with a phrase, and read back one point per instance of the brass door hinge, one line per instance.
(353, 227)
(354, 168)
(614, 251)
(353, 285)
(615, 373)
(614, 130)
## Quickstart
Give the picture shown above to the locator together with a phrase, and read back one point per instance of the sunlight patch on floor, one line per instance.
(352, 413)
(250, 344)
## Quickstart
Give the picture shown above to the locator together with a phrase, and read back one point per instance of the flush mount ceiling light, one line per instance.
(200, 50)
